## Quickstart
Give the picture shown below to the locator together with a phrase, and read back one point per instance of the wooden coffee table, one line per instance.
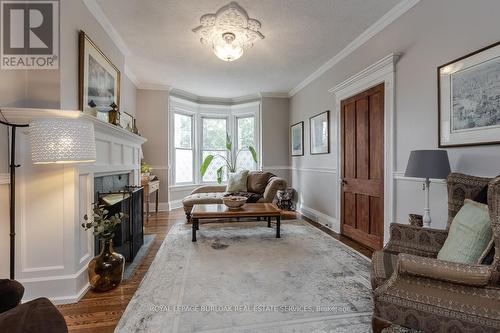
(220, 211)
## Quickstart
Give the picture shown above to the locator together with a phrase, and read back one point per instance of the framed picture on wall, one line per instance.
(469, 99)
(297, 139)
(320, 133)
(99, 80)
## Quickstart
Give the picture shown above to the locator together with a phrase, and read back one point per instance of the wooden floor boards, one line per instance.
(100, 312)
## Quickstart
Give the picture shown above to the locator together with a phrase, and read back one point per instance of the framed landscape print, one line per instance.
(469, 99)
(99, 80)
(320, 133)
(297, 139)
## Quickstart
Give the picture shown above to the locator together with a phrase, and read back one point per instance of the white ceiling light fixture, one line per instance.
(229, 31)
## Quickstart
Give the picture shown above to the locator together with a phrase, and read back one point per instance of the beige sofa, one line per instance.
(262, 183)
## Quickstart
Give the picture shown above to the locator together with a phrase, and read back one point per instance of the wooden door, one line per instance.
(362, 190)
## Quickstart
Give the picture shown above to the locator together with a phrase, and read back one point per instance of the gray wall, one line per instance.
(152, 121)
(55, 89)
(274, 132)
(430, 34)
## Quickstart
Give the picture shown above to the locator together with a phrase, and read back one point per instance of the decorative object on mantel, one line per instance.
(114, 115)
(416, 220)
(229, 162)
(297, 139)
(285, 198)
(105, 270)
(52, 141)
(127, 122)
(135, 130)
(469, 99)
(229, 31)
(428, 164)
(319, 133)
(99, 80)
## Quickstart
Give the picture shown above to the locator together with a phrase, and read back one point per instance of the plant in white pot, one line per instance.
(230, 162)
(105, 270)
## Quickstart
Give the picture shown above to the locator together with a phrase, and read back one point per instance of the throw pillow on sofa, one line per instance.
(470, 236)
(257, 181)
(237, 181)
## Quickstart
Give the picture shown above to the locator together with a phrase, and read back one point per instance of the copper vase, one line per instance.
(106, 270)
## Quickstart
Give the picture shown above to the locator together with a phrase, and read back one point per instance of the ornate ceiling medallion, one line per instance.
(229, 31)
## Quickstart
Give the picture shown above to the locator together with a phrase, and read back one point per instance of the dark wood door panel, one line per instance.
(362, 125)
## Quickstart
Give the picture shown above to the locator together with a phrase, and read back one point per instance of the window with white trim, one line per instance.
(198, 130)
(183, 129)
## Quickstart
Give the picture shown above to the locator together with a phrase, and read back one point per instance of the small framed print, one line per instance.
(127, 121)
(297, 139)
(469, 99)
(320, 133)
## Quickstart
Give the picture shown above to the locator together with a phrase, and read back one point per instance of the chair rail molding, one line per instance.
(382, 71)
(4, 178)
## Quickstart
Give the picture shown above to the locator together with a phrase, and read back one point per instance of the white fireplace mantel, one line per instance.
(52, 249)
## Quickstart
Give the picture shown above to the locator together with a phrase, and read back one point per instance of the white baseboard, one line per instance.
(66, 289)
(162, 207)
(165, 206)
(317, 216)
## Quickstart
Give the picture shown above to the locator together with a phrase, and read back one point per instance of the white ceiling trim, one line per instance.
(153, 86)
(131, 76)
(99, 15)
(374, 29)
(274, 94)
(185, 95)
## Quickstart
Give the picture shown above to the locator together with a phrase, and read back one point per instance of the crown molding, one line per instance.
(185, 95)
(274, 94)
(374, 29)
(102, 19)
(132, 77)
(153, 86)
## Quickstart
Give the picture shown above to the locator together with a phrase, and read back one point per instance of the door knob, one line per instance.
(343, 182)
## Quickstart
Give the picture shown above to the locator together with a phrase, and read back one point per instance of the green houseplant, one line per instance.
(230, 162)
(105, 270)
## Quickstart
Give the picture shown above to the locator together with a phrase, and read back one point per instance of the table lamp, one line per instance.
(428, 164)
(59, 140)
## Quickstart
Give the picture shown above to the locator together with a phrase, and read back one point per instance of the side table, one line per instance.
(150, 188)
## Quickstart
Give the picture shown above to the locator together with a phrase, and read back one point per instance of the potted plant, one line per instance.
(230, 162)
(105, 270)
(145, 172)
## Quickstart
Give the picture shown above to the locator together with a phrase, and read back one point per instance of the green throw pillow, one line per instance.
(470, 236)
(237, 181)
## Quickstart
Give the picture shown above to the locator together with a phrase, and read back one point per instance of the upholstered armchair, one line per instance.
(414, 289)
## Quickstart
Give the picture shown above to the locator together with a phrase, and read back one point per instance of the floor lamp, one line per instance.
(12, 195)
(58, 140)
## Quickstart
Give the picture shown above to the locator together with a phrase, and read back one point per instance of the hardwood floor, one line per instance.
(100, 312)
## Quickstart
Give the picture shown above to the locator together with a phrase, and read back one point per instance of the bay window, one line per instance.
(200, 130)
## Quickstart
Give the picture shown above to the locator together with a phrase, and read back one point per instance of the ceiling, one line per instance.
(300, 36)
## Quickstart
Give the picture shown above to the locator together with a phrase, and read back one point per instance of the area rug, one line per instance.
(239, 278)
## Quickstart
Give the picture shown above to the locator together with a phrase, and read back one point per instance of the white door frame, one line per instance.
(383, 71)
